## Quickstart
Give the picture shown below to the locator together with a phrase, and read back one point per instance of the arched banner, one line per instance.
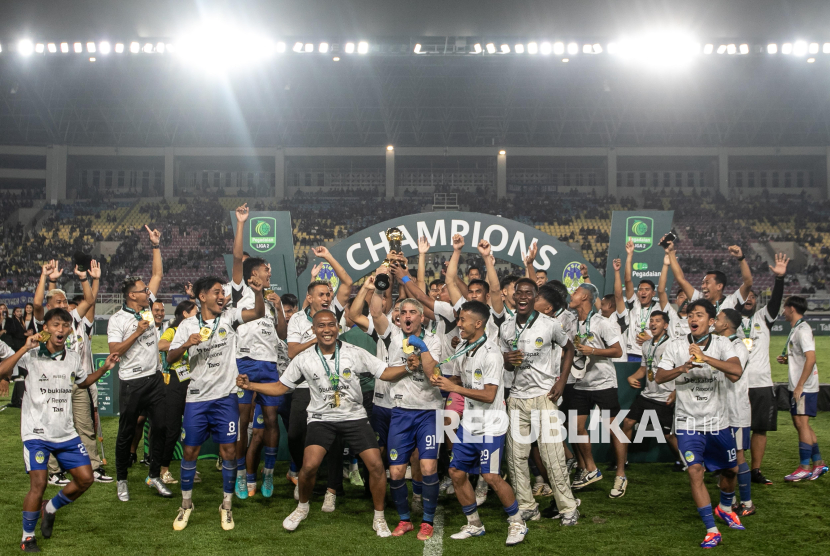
(363, 252)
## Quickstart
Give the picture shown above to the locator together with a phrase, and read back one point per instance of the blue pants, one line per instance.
(715, 450)
(410, 429)
(70, 454)
(220, 418)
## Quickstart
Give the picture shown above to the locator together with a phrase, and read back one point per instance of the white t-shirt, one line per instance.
(678, 326)
(414, 391)
(727, 302)
(142, 359)
(212, 363)
(257, 338)
(758, 371)
(478, 367)
(737, 393)
(493, 323)
(383, 389)
(300, 330)
(651, 359)
(79, 341)
(701, 402)
(540, 368)
(600, 373)
(354, 361)
(801, 341)
(445, 329)
(46, 412)
(638, 317)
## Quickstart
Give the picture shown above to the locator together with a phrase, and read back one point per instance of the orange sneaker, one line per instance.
(403, 527)
(425, 533)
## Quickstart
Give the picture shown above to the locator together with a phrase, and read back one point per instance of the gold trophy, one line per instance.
(394, 236)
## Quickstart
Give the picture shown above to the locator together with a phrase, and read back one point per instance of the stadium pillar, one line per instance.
(279, 174)
(827, 172)
(56, 157)
(611, 164)
(390, 173)
(169, 172)
(501, 175)
(723, 172)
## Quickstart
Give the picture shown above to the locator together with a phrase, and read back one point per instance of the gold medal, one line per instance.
(147, 315)
(337, 398)
(650, 374)
(44, 336)
(408, 349)
(748, 342)
(577, 340)
(204, 333)
(266, 292)
(698, 359)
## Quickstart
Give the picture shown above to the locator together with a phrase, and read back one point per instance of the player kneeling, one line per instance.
(46, 424)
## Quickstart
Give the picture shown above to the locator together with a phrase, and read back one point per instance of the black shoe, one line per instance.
(551, 512)
(145, 462)
(758, 477)
(47, 521)
(29, 545)
(133, 459)
(678, 466)
(613, 466)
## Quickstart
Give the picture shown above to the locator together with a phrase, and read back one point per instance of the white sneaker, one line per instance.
(468, 531)
(328, 502)
(297, 493)
(620, 483)
(226, 516)
(123, 491)
(542, 489)
(181, 520)
(481, 491)
(516, 531)
(382, 529)
(445, 484)
(197, 478)
(291, 522)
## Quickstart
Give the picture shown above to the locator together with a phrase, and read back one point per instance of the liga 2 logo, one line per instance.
(262, 233)
(640, 230)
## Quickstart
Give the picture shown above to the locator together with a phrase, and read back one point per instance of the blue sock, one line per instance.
(399, 496)
(188, 473)
(228, 476)
(726, 499)
(250, 477)
(816, 455)
(805, 451)
(707, 517)
(471, 509)
(512, 509)
(292, 466)
(744, 482)
(240, 463)
(59, 501)
(430, 496)
(417, 487)
(270, 457)
(29, 523)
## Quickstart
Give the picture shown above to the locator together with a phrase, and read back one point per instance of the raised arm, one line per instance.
(486, 252)
(95, 274)
(239, 243)
(687, 288)
(530, 272)
(267, 388)
(46, 273)
(662, 294)
(619, 301)
(583, 271)
(423, 248)
(356, 306)
(259, 303)
(89, 299)
(629, 260)
(452, 269)
(158, 267)
(780, 270)
(746, 273)
(345, 289)
(8, 364)
(379, 317)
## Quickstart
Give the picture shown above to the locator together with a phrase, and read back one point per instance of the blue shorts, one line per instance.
(410, 429)
(70, 454)
(715, 450)
(258, 419)
(477, 457)
(262, 372)
(807, 405)
(634, 358)
(217, 417)
(741, 437)
(381, 416)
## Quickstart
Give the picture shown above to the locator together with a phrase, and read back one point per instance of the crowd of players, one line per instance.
(503, 358)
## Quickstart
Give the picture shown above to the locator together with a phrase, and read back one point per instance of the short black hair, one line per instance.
(662, 314)
(128, 284)
(437, 282)
(478, 308)
(483, 284)
(77, 299)
(733, 316)
(507, 280)
(559, 287)
(610, 297)
(289, 299)
(204, 284)
(545, 272)
(61, 314)
(250, 264)
(472, 268)
(158, 301)
(552, 296)
(529, 282)
(704, 304)
(324, 312)
(798, 303)
(318, 282)
(649, 282)
(720, 277)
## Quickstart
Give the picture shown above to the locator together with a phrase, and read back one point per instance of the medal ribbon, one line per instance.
(790, 335)
(650, 354)
(133, 312)
(587, 325)
(334, 379)
(644, 316)
(528, 323)
(43, 352)
(464, 350)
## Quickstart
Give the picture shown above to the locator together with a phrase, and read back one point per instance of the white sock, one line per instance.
(241, 473)
(227, 498)
(303, 506)
(379, 514)
(266, 471)
(539, 480)
(27, 535)
(727, 509)
(746, 502)
(187, 501)
(51, 507)
(474, 519)
(712, 530)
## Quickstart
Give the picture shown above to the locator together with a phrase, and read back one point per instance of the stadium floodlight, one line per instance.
(558, 48)
(216, 47)
(502, 152)
(810, 60)
(39, 48)
(298, 47)
(362, 47)
(417, 49)
(25, 47)
(309, 47)
(78, 48)
(324, 47)
(477, 48)
(731, 49)
(573, 48)
(787, 48)
(520, 49)
(669, 50)
(92, 59)
(148, 48)
(505, 49)
(104, 48)
(722, 49)
(613, 48)
(491, 48)
(566, 60)
(135, 48)
(813, 48)
(171, 48)
(119, 48)
(349, 48)
(64, 47)
(826, 48)
(336, 59)
(597, 48)
(587, 49)
(532, 48)
(90, 47)
(160, 48)
(744, 49)
(52, 47)
(800, 48)
(390, 148)
(772, 48)
(280, 47)
(545, 48)
(709, 48)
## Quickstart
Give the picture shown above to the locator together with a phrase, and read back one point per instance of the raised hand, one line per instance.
(369, 283)
(155, 235)
(56, 272)
(32, 341)
(666, 259)
(629, 247)
(484, 248)
(315, 270)
(48, 268)
(242, 213)
(616, 263)
(781, 262)
(94, 270)
(531, 253)
(79, 274)
(736, 251)
(255, 285)
(423, 245)
(458, 242)
(583, 270)
(321, 252)
(188, 289)
(669, 244)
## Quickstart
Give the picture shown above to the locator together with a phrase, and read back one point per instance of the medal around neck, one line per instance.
(44, 336)
(205, 333)
(146, 315)
(748, 342)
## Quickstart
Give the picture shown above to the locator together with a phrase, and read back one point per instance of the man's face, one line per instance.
(410, 319)
(468, 323)
(158, 313)
(213, 299)
(263, 274)
(788, 312)
(645, 293)
(474, 274)
(541, 278)
(59, 331)
(751, 302)
(477, 293)
(681, 298)
(721, 324)
(396, 315)
(710, 289)
(578, 297)
(438, 291)
(507, 294)
(657, 326)
(289, 311)
(525, 299)
(607, 307)
(699, 321)
(58, 301)
(326, 329)
(542, 306)
(319, 298)
(140, 294)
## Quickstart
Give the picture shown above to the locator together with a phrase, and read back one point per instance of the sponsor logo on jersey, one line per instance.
(72, 377)
(539, 342)
(690, 457)
(393, 455)
(40, 457)
(477, 374)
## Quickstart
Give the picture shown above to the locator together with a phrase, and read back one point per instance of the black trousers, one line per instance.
(297, 425)
(137, 395)
(175, 393)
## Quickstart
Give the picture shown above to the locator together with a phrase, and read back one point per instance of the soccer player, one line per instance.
(46, 424)
(132, 336)
(654, 397)
(640, 304)
(478, 377)
(597, 342)
(756, 324)
(699, 365)
(529, 342)
(508, 287)
(678, 325)
(210, 341)
(800, 356)
(336, 408)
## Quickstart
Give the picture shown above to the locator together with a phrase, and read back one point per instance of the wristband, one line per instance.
(741, 258)
(406, 279)
(157, 246)
(779, 277)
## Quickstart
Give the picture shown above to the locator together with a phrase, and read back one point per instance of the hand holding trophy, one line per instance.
(382, 279)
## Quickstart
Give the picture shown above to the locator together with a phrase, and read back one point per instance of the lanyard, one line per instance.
(790, 335)
(644, 316)
(587, 325)
(334, 379)
(133, 312)
(464, 350)
(307, 312)
(559, 312)
(434, 325)
(43, 352)
(203, 324)
(509, 312)
(650, 354)
(528, 323)
(748, 328)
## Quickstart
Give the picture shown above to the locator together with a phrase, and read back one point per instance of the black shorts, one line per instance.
(585, 400)
(567, 399)
(665, 413)
(358, 434)
(764, 409)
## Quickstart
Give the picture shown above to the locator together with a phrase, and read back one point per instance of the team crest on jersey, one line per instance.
(393, 455)
(539, 342)
(757, 326)
(451, 456)
(377, 436)
(347, 374)
(449, 401)
(222, 332)
(40, 457)
(260, 419)
(240, 394)
(572, 276)
(181, 436)
(690, 457)
(72, 377)
(477, 374)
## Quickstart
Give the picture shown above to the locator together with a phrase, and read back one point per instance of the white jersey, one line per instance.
(620, 323)
(383, 389)
(354, 361)
(638, 317)
(538, 342)
(142, 359)
(737, 393)
(299, 327)
(601, 333)
(757, 329)
(651, 358)
(46, 413)
(258, 338)
(282, 355)
(727, 302)
(212, 363)
(477, 368)
(444, 328)
(678, 326)
(493, 323)
(799, 343)
(414, 391)
(701, 402)
(79, 341)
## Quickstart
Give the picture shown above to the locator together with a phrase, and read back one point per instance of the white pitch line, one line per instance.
(435, 545)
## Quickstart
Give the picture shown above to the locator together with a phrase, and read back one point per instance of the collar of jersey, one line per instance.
(703, 348)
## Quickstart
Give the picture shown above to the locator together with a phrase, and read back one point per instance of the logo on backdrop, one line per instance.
(263, 233)
(640, 230)
(327, 273)
(572, 277)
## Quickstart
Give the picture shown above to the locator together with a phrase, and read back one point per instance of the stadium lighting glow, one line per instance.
(119, 48)
(502, 152)
(532, 48)
(787, 48)
(587, 49)
(280, 47)
(160, 48)
(336, 58)
(349, 48)
(772, 48)
(722, 49)
(135, 47)
(362, 47)
(39, 48)
(52, 47)
(25, 47)
(324, 47)
(665, 50)
(573, 48)
(309, 47)
(800, 48)
(418, 48)
(545, 48)
(148, 48)
(390, 148)
(810, 60)
(491, 48)
(565, 60)
(64, 47)
(708, 48)
(597, 48)
(78, 47)
(731, 49)
(298, 47)
(505, 49)
(826, 48)
(104, 47)
(813, 48)
(613, 48)
(90, 47)
(558, 48)
(171, 49)
(92, 59)
(217, 47)
(477, 48)
(744, 49)
(520, 49)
